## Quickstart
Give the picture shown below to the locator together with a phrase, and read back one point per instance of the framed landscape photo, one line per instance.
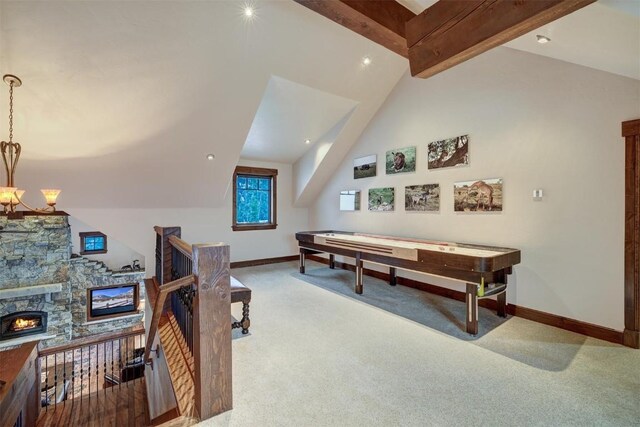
(350, 200)
(449, 152)
(478, 196)
(365, 167)
(381, 199)
(401, 160)
(422, 198)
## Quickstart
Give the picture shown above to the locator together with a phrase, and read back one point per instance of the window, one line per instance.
(254, 198)
(93, 242)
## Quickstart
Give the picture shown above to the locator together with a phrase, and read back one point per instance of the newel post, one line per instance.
(163, 252)
(212, 330)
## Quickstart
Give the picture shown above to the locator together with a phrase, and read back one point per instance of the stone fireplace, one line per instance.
(34, 261)
(39, 275)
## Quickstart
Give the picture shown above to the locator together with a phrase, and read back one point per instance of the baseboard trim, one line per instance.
(263, 261)
(589, 329)
(631, 338)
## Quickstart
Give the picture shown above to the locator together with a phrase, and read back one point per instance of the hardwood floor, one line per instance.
(117, 406)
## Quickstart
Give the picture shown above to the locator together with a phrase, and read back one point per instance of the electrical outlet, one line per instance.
(537, 194)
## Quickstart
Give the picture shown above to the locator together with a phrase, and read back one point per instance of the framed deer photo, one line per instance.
(478, 196)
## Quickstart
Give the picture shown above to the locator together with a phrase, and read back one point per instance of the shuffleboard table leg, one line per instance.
(472, 308)
(332, 261)
(501, 299)
(393, 278)
(302, 259)
(359, 269)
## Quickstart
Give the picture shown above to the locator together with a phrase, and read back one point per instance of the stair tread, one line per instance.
(109, 406)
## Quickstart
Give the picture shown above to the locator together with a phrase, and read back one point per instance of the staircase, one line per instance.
(98, 268)
(118, 406)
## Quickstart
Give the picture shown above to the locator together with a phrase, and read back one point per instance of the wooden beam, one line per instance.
(453, 31)
(381, 21)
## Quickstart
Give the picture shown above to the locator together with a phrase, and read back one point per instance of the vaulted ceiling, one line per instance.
(122, 101)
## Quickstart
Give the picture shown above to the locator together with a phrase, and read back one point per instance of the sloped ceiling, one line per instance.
(288, 115)
(122, 101)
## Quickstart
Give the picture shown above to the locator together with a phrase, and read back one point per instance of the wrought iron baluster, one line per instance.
(46, 382)
(81, 373)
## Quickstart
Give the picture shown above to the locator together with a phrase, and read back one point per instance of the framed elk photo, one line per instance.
(365, 167)
(401, 160)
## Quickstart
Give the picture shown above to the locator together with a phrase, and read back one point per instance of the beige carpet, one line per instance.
(315, 357)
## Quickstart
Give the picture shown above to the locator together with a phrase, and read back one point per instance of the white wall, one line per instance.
(134, 227)
(117, 256)
(537, 123)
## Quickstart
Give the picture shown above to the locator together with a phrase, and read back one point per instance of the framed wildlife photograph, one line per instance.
(365, 167)
(449, 152)
(350, 200)
(422, 198)
(478, 196)
(401, 160)
(381, 199)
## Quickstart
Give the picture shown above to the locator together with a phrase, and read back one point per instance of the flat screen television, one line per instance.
(112, 300)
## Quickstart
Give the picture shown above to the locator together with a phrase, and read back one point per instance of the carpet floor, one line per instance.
(319, 355)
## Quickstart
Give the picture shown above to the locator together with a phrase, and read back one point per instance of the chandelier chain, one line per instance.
(11, 112)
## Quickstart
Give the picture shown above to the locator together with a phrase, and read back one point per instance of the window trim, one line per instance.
(84, 235)
(257, 172)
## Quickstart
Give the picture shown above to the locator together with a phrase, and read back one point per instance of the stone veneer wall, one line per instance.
(36, 250)
(85, 274)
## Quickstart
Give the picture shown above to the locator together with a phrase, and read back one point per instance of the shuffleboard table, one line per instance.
(484, 269)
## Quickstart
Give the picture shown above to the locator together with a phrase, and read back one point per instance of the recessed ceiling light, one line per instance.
(248, 11)
(366, 60)
(543, 39)
(210, 156)
(307, 141)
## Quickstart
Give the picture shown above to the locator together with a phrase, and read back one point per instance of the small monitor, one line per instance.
(112, 300)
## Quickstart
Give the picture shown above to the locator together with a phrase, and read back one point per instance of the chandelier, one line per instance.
(11, 195)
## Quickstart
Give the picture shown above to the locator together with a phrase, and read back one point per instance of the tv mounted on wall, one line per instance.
(111, 301)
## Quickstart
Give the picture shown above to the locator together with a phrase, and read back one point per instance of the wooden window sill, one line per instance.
(253, 227)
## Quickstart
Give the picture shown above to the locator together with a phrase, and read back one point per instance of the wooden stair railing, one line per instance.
(157, 298)
(198, 279)
(90, 368)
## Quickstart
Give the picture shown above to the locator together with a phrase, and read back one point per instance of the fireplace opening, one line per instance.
(22, 323)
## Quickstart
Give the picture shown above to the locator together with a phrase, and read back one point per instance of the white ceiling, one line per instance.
(289, 114)
(122, 101)
(604, 35)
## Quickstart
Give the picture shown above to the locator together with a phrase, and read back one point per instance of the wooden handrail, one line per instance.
(160, 295)
(181, 245)
(209, 334)
(92, 340)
